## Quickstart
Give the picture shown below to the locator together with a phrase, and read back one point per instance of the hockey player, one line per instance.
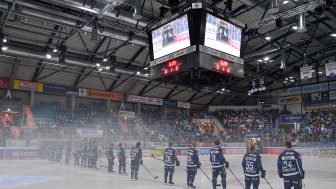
(67, 153)
(252, 166)
(77, 155)
(90, 154)
(192, 165)
(170, 160)
(122, 159)
(94, 155)
(290, 168)
(218, 161)
(84, 155)
(110, 158)
(136, 160)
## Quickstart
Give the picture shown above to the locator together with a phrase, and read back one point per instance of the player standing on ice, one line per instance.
(170, 160)
(218, 161)
(122, 159)
(252, 166)
(290, 167)
(84, 155)
(110, 158)
(136, 160)
(94, 155)
(192, 165)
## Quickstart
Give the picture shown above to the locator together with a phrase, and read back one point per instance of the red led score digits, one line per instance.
(172, 67)
(222, 66)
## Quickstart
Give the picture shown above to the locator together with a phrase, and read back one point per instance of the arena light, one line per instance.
(4, 48)
(108, 67)
(137, 10)
(100, 69)
(97, 64)
(333, 35)
(268, 38)
(146, 74)
(146, 68)
(266, 58)
(302, 23)
(48, 56)
(105, 60)
(274, 7)
(295, 27)
(138, 72)
(320, 72)
(285, 2)
(259, 60)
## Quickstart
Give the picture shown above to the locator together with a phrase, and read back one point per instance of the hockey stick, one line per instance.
(102, 163)
(208, 176)
(156, 158)
(236, 178)
(297, 163)
(268, 183)
(155, 177)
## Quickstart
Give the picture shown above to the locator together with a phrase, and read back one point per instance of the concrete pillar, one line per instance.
(108, 105)
(73, 102)
(164, 111)
(138, 109)
(32, 98)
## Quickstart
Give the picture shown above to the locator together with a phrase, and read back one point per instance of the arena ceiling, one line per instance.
(34, 28)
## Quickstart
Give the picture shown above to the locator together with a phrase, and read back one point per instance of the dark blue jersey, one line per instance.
(109, 153)
(169, 157)
(252, 164)
(136, 154)
(90, 150)
(289, 163)
(216, 157)
(192, 158)
(85, 150)
(94, 150)
(121, 154)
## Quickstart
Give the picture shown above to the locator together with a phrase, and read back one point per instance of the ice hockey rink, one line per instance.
(42, 174)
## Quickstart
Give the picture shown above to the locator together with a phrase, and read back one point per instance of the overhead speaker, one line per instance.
(173, 2)
(302, 23)
(62, 52)
(273, 7)
(278, 22)
(137, 11)
(113, 62)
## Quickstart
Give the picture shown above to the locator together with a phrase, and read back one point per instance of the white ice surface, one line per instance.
(320, 174)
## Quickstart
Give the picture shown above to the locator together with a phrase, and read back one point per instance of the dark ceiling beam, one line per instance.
(179, 92)
(214, 98)
(171, 92)
(7, 15)
(146, 91)
(144, 88)
(101, 79)
(53, 73)
(192, 97)
(244, 8)
(40, 65)
(135, 56)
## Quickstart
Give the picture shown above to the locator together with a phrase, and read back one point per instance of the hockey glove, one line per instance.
(280, 175)
(227, 165)
(140, 162)
(263, 174)
(177, 163)
(302, 175)
(199, 165)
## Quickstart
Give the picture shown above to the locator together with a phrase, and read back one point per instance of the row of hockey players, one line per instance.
(289, 166)
(54, 152)
(88, 155)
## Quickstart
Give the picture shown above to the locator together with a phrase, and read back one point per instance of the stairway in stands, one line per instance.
(218, 127)
(30, 116)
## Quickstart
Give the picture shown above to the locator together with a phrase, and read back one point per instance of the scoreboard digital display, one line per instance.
(171, 67)
(223, 66)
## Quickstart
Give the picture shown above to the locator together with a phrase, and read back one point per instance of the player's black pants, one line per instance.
(122, 165)
(218, 171)
(252, 180)
(67, 158)
(94, 161)
(76, 160)
(191, 173)
(110, 165)
(84, 160)
(134, 168)
(169, 171)
(294, 180)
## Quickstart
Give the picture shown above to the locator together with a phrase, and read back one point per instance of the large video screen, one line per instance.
(222, 35)
(171, 37)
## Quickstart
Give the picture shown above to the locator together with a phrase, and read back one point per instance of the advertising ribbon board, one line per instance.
(291, 91)
(145, 100)
(185, 105)
(90, 133)
(315, 88)
(290, 100)
(170, 103)
(291, 118)
(253, 134)
(28, 86)
(89, 93)
(57, 89)
(332, 95)
(3, 83)
(332, 85)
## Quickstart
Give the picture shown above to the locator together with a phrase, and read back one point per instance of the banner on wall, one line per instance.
(253, 134)
(291, 91)
(126, 114)
(90, 133)
(89, 93)
(316, 106)
(170, 103)
(332, 85)
(291, 118)
(203, 121)
(258, 84)
(332, 95)
(290, 100)
(28, 86)
(330, 70)
(185, 105)
(306, 73)
(57, 89)
(145, 100)
(315, 88)
(3, 83)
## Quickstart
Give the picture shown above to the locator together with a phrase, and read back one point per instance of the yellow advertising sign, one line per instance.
(101, 94)
(290, 100)
(28, 86)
